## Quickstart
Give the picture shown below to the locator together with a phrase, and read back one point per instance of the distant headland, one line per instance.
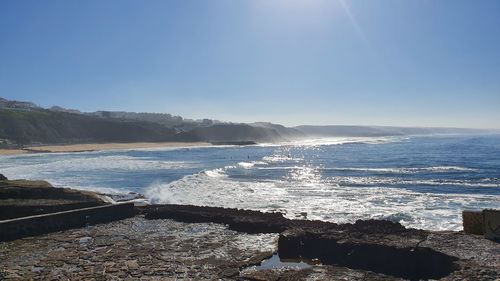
(27, 125)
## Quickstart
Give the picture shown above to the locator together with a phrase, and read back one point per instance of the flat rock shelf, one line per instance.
(172, 242)
(203, 243)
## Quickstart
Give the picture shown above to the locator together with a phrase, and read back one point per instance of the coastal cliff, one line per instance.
(40, 126)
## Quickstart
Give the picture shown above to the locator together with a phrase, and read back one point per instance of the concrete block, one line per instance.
(473, 222)
(491, 219)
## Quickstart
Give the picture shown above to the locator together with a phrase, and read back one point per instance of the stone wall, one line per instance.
(41, 224)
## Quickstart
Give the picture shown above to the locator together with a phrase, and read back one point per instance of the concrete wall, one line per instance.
(8, 212)
(42, 224)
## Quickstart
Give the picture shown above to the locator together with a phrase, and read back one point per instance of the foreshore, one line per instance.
(170, 242)
(100, 146)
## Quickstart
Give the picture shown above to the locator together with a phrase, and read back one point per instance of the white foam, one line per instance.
(32, 170)
(303, 189)
(276, 158)
(374, 181)
(412, 170)
(248, 165)
(346, 140)
(215, 173)
(323, 200)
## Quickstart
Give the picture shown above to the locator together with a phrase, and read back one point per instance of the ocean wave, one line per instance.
(397, 217)
(209, 188)
(279, 168)
(281, 158)
(386, 181)
(323, 201)
(347, 140)
(436, 169)
(215, 173)
(412, 170)
(248, 165)
(100, 163)
(331, 183)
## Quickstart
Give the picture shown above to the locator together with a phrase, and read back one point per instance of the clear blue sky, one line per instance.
(387, 62)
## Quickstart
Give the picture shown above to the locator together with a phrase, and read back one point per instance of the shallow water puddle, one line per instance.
(275, 262)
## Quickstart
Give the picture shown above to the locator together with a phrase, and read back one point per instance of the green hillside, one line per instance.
(231, 132)
(41, 126)
(44, 126)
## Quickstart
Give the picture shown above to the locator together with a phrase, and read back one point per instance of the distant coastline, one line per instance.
(25, 125)
(99, 147)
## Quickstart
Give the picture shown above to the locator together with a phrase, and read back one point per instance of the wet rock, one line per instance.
(478, 258)
(382, 247)
(162, 248)
(132, 264)
(36, 269)
(377, 226)
(238, 220)
(259, 222)
(138, 249)
(85, 240)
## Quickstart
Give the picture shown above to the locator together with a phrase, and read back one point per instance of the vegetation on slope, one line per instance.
(43, 126)
(231, 132)
(22, 127)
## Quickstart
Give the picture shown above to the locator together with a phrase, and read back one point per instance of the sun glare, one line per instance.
(315, 12)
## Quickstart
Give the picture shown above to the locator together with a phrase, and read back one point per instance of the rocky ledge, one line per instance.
(382, 247)
(169, 242)
(20, 198)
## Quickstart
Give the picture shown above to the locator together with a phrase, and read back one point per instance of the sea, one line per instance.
(419, 181)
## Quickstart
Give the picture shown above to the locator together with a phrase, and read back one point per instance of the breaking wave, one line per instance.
(436, 169)
(322, 201)
(419, 182)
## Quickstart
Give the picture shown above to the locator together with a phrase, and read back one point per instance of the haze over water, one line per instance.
(422, 182)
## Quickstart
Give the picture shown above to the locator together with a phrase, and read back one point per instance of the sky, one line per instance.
(294, 62)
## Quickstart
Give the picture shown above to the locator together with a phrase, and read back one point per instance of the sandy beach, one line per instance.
(12, 151)
(99, 146)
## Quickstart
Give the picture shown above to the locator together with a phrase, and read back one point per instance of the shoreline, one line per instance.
(118, 241)
(87, 147)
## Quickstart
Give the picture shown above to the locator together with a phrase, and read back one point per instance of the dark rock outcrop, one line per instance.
(26, 189)
(19, 198)
(238, 220)
(387, 252)
(135, 249)
(379, 246)
(3, 178)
